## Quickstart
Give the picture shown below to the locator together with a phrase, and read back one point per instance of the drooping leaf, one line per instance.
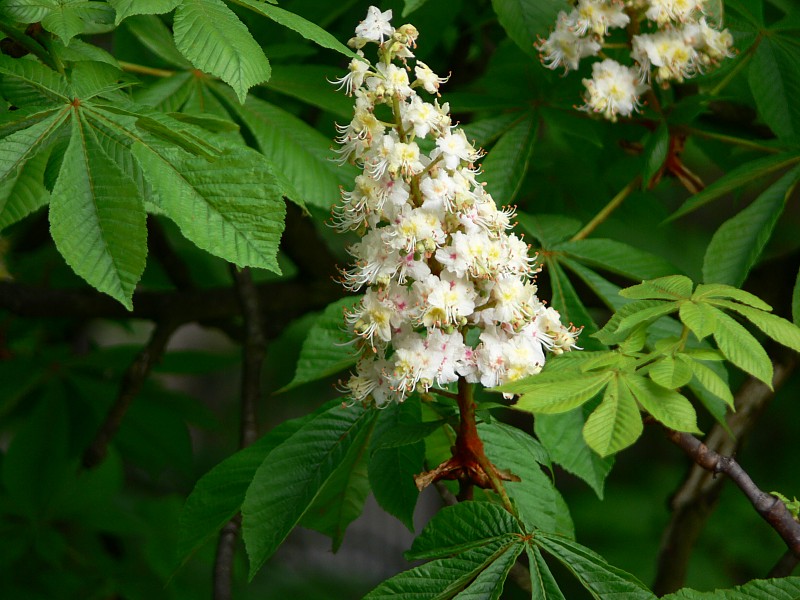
(392, 469)
(213, 38)
(527, 20)
(779, 329)
(720, 290)
(129, 8)
(230, 206)
(23, 192)
(774, 78)
(709, 379)
(670, 373)
(326, 350)
(601, 579)
(667, 406)
(616, 423)
(738, 243)
(507, 162)
(152, 33)
(616, 257)
(97, 218)
(741, 348)
(561, 435)
(284, 487)
(787, 588)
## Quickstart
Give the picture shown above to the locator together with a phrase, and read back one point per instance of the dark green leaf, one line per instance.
(23, 192)
(737, 245)
(616, 257)
(548, 229)
(128, 8)
(30, 74)
(507, 162)
(310, 84)
(759, 589)
(655, 153)
(151, 32)
(409, 433)
(774, 78)
(527, 20)
(569, 305)
(410, 6)
(796, 300)
(488, 585)
(485, 131)
(543, 584)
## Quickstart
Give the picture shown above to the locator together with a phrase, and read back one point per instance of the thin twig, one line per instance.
(695, 500)
(252, 360)
(785, 566)
(130, 386)
(606, 211)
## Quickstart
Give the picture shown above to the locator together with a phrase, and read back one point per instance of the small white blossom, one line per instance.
(376, 27)
(613, 90)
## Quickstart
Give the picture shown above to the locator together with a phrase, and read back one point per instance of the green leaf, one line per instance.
(561, 436)
(616, 423)
(392, 470)
(539, 503)
(543, 584)
(296, 150)
(670, 373)
(24, 192)
(168, 94)
(341, 499)
(79, 51)
(310, 84)
(741, 348)
(97, 217)
(485, 131)
(646, 314)
(310, 31)
(779, 329)
(20, 146)
(527, 20)
(128, 8)
(461, 527)
(708, 379)
(548, 229)
(285, 486)
(720, 290)
(612, 333)
(213, 38)
(559, 396)
(736, 179)
(655, 153)
(738, 243)
(673, 287)
(698, 317)
(230, 207)
(616, 257)
(65, 18)
(218, 495)
(325, 350)
(488, 585)
(602, 580)
(774, 78)
(796, 300)
(507, 162)
(40, 80)
(569, 305)
(787, 588)
(90, 78)
(666, 406)
(410, 6)
(408, 433)
(152, 33)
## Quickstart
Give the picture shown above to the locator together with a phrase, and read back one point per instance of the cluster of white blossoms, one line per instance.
(449, 292)
(670, 40)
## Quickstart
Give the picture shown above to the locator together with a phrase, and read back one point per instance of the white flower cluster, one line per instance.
(449, 293)
(680, 44)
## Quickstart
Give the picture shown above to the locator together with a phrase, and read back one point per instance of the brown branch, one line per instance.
(252, 360)
(696, 499)
(130, 386)
(784, 567)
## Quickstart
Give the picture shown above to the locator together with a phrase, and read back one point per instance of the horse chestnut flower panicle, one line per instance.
(450, 292)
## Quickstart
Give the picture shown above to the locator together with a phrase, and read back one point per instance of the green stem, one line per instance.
(27, 42)
(730, 140)
(143, 70)
(606, 211)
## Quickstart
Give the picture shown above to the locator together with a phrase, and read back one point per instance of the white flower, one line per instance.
(355, 78)
(427, 78)
(664, 11)
(376, 27)
(669, 52)
(613, 90)
(597, 16)
(454, 148)
(565, 48)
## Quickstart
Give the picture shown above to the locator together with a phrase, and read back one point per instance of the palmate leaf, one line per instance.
(738, 243)
(213, 38)
(152, 33)
(97, 218)
(787, 588)
(20, 146)
(284, 486)
(507, 162)
(488, 585)
(666, 406)
(616, 257)
(526, 20)
(741, 348)
(774, 78)
(40, 83)
(24, 192)
(129, 8)
(560, 395)
(65, 18)
(616, 423)
(543, 584)
(708, 379)
(672, 287)
(779, 329)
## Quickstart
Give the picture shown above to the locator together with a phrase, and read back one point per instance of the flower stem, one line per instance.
(606, 211)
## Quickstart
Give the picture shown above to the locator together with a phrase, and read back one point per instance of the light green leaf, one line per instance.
(392, 470)
(548, 229)
(616, 257)
(97, 218)
(152, 33)
(670, 373)
(325, 350)
(646, 314)
(219, 494)
(341, 499)
(779, 329)
(461, 527)
(698, 317)
(539, 503)
(33, 76)
(24, 192)
(774, 78)
(230, 207)
(708, 379)
(285, 486)
(310, 31)
(507, 162)
(296, 150)
(603, 581)
(655, 153)
(559, 396)
(611, 333)
(128, 8)
(738, 243)
(672, 287)
(543, 584)
(616, 423)
(488, 585)
(485, 131)
(741, 348)
(213, 38)
(527, 20)
(666, 406)
(787, 588)
(561, 436)
(720, 290)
